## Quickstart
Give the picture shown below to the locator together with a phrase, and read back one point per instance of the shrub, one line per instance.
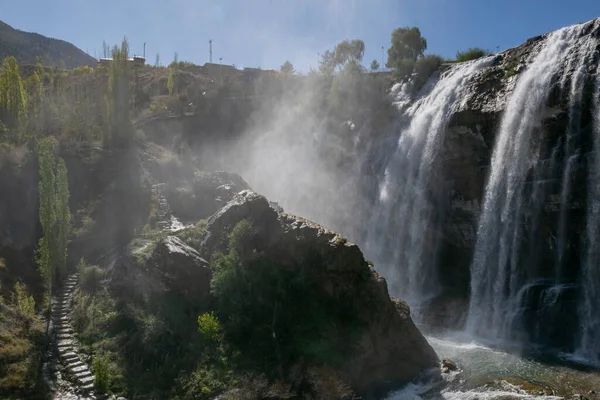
(471, 54)
(204, 383)
(25, 304)
(83, 70)
(404, 68)
(101, 374)
(90, 278)
(275, 316)
(193, 236)
(425, 67)
(209, 326)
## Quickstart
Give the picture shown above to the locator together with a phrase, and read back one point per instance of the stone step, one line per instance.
(87, 379)
(87, 388)
(81, 370)
(69, 356)
(66, 330)
(65, 343)
(62, 318)
(76, 362)
(62, 336)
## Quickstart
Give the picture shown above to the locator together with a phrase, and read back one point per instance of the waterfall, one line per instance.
(572, 145)
(497, 274)
(589, 312)
(402, 236)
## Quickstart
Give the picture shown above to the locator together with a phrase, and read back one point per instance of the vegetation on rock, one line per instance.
(471, 54)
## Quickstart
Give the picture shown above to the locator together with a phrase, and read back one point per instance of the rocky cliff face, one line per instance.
(390, 350)
(554, 202)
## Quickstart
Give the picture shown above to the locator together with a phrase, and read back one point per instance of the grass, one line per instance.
(193, 236)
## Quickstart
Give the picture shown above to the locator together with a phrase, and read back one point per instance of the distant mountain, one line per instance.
(26, 46)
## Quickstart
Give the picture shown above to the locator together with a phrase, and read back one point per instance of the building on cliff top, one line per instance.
(136, 61)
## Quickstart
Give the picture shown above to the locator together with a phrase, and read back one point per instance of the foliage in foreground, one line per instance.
(267, 326)
(21, 346)
(274, 316)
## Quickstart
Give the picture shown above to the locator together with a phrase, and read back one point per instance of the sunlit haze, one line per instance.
(265, 33)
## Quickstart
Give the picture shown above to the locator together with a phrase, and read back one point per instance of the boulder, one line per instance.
(181, 268)
(204, 194)
(448, 365)
(389, 350)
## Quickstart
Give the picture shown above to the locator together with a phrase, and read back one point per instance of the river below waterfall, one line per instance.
(487, 373)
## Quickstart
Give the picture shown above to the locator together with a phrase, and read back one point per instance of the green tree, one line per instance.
(287, 68)
(119, 95)
(425, 67)
(407, 46)
(24, 302)
(209, 326)
(171, 80)
(374, 65)
(471, 54)
(54, 214)
(327, 63)
(13, 97)
(349, 51)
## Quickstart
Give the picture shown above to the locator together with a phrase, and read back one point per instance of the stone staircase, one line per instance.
(68, 349)
(163, 212)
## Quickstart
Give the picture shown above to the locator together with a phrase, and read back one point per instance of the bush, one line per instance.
(83, 70)
(193, 236)
(209, 326)
(471, 54)
(404, 68)
(25, 304)
(90, 278)
(425, 67)
(101, 374)
(275, 316)
(204, 383)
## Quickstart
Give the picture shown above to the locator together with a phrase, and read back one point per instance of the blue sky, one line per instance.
(265, 33)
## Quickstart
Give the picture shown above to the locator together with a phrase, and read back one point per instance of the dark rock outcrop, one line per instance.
(390, 350)
(181, 268)
(203, 194)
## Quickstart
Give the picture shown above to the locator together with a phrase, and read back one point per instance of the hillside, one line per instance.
(26, 46)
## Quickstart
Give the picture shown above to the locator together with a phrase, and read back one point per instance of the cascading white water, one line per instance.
(496, 276)
(571, 146)
(589, 312)
(401, 240)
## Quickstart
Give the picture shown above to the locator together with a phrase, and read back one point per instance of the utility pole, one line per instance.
(144, 50)
(210, 51)
(318, 61)
(220, 70)
(382, 92)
